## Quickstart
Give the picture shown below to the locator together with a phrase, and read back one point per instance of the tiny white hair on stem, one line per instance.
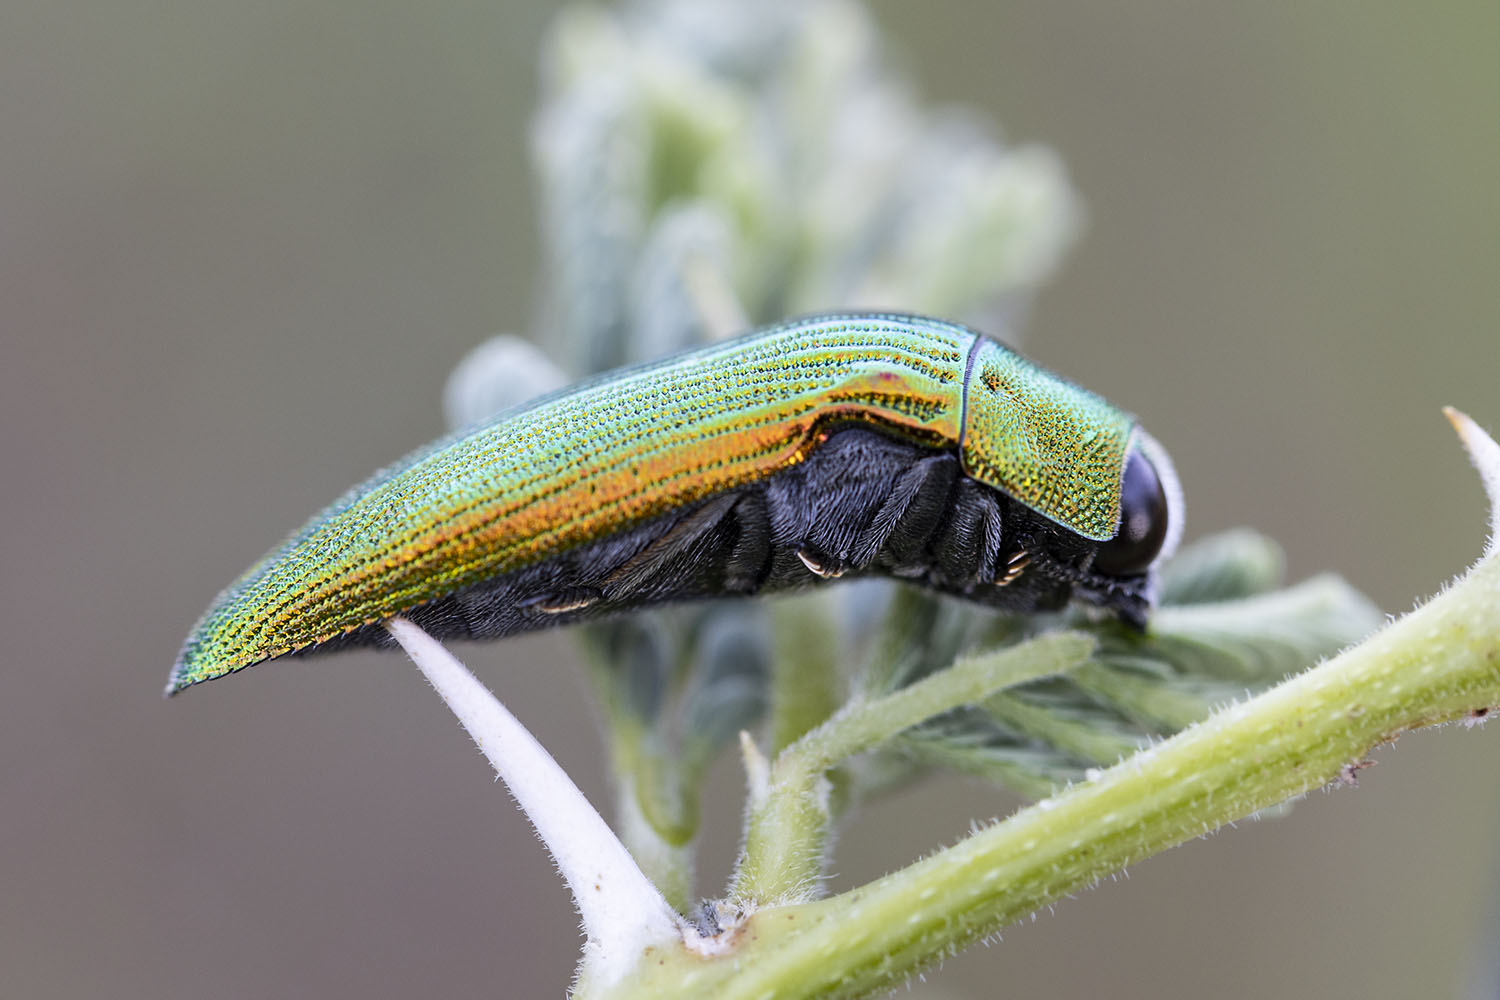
(1485, 454)
(621, 911)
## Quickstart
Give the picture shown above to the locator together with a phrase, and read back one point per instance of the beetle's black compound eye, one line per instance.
(1143, 521)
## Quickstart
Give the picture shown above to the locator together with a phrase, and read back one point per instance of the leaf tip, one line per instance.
(623, 912)
(1485, 454)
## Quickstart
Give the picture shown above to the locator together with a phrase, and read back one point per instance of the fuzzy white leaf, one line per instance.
(622, 912)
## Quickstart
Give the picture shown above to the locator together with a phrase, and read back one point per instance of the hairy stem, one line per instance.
(805, 681)
(623, 914)
(1439, 663)
(788, 829)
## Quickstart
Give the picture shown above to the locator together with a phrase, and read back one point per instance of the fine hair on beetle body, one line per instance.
(823, 448)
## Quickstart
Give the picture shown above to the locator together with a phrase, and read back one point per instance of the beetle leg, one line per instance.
(909, 516)
(750, 559)
(641, 567)
(562, 602)
(968, 548)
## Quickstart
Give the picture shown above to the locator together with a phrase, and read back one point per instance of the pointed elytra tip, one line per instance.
(1485, 454)
(184, 675)
(176, 683)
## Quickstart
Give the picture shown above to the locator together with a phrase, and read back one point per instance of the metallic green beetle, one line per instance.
(831, 446)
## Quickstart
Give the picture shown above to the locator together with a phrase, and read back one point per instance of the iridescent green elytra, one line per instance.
(822, 447)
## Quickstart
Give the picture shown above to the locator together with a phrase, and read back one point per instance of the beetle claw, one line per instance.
(1014, 566)
(826, 570)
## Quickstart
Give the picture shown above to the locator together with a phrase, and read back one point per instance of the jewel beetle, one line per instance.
(827, 447)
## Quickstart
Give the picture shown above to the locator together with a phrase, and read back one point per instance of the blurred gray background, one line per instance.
(241, 245)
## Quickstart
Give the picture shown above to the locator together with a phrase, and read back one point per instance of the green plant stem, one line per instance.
(656, 816)
(788, 829)
(1438, 663)
(670, 866)
(805, 680)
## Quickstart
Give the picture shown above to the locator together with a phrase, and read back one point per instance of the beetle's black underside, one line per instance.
(860, 504)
